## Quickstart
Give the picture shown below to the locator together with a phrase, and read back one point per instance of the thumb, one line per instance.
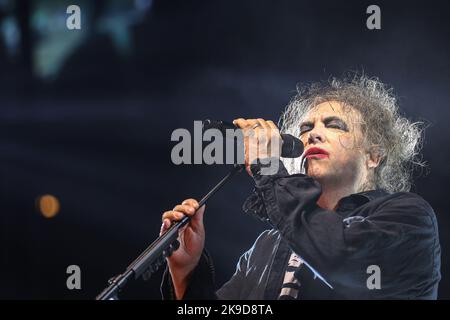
(197, 219)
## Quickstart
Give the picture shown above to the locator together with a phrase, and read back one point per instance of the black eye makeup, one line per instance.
(335, 123)
(329, 122)
(305, 127)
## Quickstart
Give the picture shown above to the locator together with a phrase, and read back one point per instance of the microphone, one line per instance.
(291, 146)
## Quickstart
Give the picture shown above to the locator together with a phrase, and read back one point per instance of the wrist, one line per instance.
(266, 166)
(180, 278)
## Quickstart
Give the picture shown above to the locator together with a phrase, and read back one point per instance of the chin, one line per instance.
(316, 173)
(320, 173)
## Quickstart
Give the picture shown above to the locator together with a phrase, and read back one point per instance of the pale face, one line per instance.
(337, 132)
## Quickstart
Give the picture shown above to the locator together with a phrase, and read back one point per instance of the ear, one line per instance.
(374, 156)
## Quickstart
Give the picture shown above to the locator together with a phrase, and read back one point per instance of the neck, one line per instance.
(332, 194)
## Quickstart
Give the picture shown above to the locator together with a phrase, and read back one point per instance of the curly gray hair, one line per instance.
(398, 140)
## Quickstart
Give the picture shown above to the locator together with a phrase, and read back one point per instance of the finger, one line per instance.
(245, 123)
(240, 123)
(258, 128)
(272, 125)
(186, 209)
(253, 128)
(164, 226)
(197, 220)
(172, 215)
(263, 123)
(247, 168)
(166, 223)
(191, 202)
(252, 149)
(251, 123)
(264, 130)
(237, 122)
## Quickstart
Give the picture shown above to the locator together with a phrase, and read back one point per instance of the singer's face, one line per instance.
(336, 131)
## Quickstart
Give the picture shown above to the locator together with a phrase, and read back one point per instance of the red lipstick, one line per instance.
(315, 152)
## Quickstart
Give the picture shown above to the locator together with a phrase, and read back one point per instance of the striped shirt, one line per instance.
(291, 286)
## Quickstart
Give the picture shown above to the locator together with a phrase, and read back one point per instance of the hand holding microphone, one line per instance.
(262, 139)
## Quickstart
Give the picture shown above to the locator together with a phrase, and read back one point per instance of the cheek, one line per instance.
(303, 139)
(346, 142)
(345, 151)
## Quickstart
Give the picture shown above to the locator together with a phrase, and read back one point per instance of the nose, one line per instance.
(315, 137)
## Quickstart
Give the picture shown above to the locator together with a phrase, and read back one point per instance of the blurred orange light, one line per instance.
(48, 205)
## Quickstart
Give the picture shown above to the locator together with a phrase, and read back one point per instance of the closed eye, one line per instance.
(335, 123)
(305, 127)
(329, 122)
(334, 126)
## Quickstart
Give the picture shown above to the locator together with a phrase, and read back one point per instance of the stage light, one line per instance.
(48, 205)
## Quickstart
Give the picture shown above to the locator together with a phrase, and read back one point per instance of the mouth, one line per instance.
(316, 153)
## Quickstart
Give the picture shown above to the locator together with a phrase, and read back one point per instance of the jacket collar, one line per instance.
(356, 200)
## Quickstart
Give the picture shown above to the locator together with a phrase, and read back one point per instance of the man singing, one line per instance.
(344, 225)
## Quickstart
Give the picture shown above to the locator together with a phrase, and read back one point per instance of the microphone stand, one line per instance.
(154, 256)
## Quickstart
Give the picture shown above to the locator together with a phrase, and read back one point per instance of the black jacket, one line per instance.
(396, 232)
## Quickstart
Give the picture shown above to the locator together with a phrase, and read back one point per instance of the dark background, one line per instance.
(95, 131)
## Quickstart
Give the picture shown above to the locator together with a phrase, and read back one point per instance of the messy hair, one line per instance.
(397, 139)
